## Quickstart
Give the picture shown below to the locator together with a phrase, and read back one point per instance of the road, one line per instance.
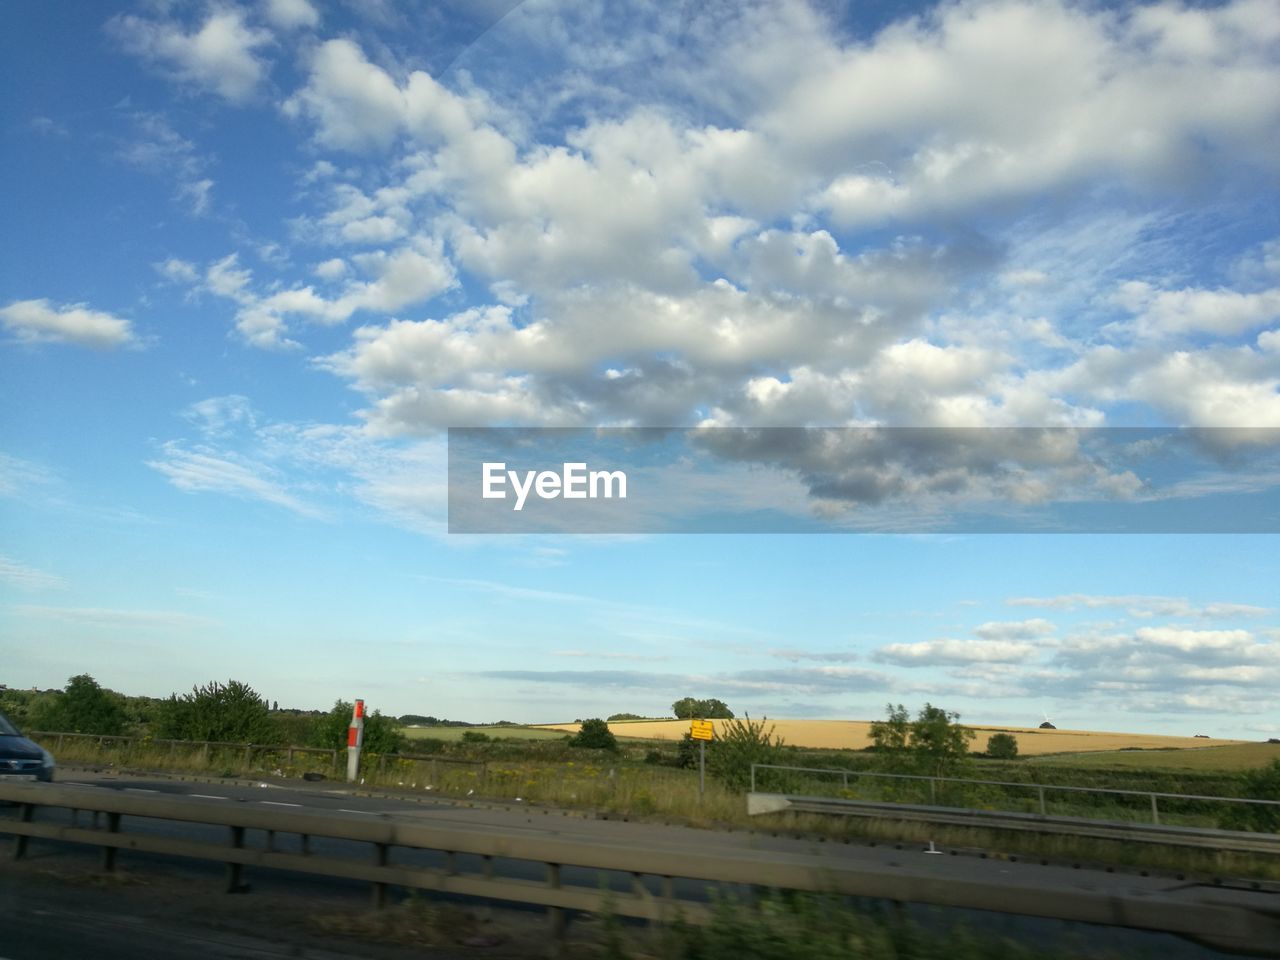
(129, 917)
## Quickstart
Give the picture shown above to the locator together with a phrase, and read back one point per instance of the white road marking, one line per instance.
(139, 790)
(72, 783)
(368, 813)
(277, 803)
(205, 796)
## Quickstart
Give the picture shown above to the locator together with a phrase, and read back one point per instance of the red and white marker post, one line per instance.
(355, 740)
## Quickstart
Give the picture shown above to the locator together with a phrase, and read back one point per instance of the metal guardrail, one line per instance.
(1229, 919)
(1040, 788)
(1205, 838)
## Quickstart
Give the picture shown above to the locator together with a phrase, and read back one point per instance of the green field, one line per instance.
(1235, 756)
(454, 734)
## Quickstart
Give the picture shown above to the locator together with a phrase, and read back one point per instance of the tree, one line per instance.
(933, 744)
(594, 735)
(939, 745)
(84, 707)
(381, 734)
(1002, 746)
(688, 708)
(230, 713)
(890, 738)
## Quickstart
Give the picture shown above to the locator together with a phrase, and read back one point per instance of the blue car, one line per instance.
(20, 759)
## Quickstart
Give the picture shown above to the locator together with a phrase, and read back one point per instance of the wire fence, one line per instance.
(1008, 796)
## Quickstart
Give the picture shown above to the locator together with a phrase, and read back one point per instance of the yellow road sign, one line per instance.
(703, 730)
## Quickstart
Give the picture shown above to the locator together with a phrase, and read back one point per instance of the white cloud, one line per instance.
(104, 617)
(219, 56)
(1014, 630)
(24, 577)
(1143, 606)
(354, 104)
(333, 269)
(1193, 310)
(39, 321)
(182, 271)
(949, 651)
(291, 14)
(160, 150)
(203, 470)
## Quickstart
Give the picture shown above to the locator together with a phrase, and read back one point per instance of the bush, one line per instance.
(687, 752)
(84, 707)
(595, 735)
(381, 734)
(475, 736)
(231, 712)
(1002, 746)
(739, 744)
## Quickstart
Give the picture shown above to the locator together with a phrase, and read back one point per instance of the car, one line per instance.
(20, 758)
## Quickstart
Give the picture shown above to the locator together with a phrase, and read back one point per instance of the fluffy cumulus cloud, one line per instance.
(983, 214)
(1166, 667)
(644, 233)
(39, 321)
(220, 55)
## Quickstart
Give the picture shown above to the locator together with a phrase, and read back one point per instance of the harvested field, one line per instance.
(856, 734)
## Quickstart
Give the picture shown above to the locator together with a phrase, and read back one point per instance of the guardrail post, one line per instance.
(382, 765)
(1043, 810)
(378, 892)
(933, 791)
(556, 915)
(845, 775)
(20, 841)
(753, 778)
(234, 883)
(1155, 811)
(109, 853)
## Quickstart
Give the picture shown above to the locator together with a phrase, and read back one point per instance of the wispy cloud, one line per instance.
(104, 617)
(1143, 606)
(200, 470)
(28, 578)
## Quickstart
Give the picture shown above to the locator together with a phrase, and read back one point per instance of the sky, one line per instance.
(258, 256)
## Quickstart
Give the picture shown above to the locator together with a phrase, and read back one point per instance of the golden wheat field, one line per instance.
(856, 734)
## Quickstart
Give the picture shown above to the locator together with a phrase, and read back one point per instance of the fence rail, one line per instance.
(1041, 788)
(1223, 918)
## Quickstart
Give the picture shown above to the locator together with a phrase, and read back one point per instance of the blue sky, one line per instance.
(259, 256)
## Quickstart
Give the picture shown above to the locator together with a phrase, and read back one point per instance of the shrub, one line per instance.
(687, 752)
(231, 712)
(381, 734)
(475, 736)
(739, 744)
(1002, 746)
(595, 735)
(84, 707)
